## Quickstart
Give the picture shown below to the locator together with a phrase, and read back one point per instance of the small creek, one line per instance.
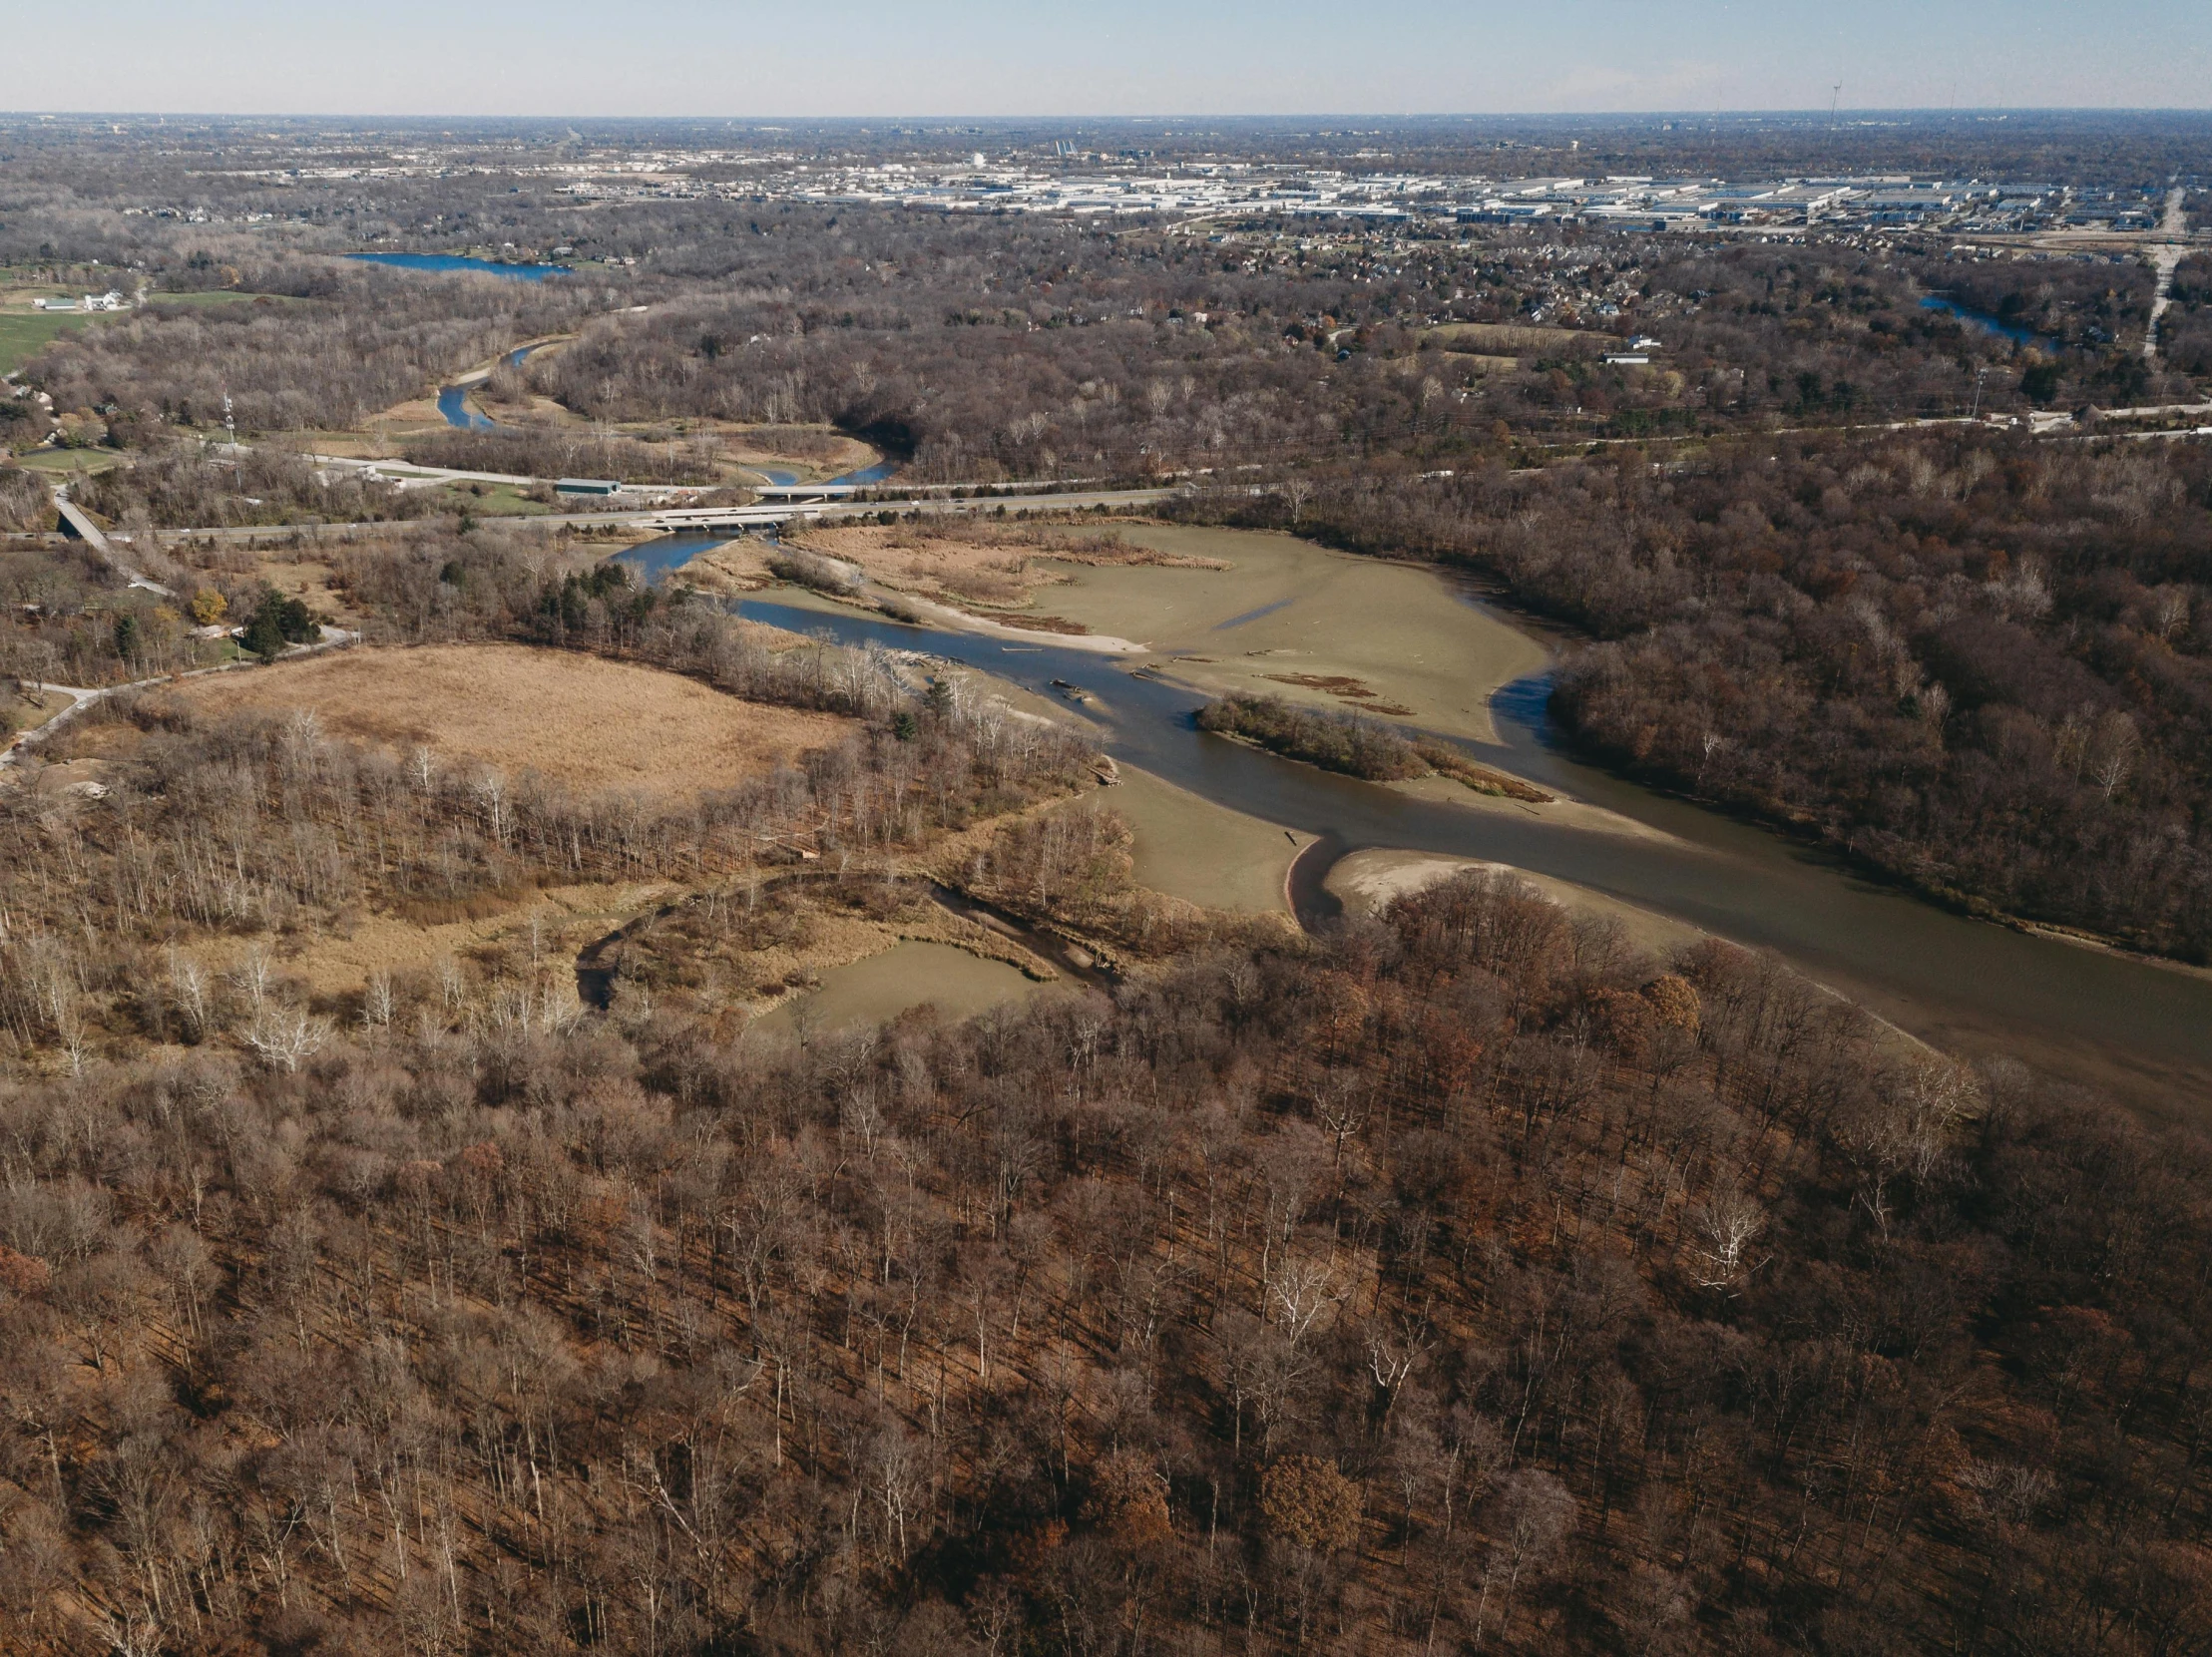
(453, 401)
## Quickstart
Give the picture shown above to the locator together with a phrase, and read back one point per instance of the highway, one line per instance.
(411, 475)
(673, 520)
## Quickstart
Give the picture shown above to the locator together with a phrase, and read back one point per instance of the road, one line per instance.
(2173, 228)
(2165, 247)
(83, 696)
(411, 474)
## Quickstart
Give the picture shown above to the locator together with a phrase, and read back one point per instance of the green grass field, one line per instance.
(62, 461)
(23, 333)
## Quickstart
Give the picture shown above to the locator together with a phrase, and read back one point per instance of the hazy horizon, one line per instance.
(770, 120)
(994, 60)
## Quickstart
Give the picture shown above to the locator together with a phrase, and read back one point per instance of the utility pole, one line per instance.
(229, 422)
(1980, 376)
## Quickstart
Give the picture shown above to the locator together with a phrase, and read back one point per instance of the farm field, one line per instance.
(224, 296)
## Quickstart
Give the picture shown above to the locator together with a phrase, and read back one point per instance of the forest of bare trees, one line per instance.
(1463, 1283)
(362, 340)
(983, 349)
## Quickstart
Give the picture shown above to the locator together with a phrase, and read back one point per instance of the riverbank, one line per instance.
(1188, 847)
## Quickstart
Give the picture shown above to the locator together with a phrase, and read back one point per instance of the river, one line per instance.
(650, 561)
(2138, 1030)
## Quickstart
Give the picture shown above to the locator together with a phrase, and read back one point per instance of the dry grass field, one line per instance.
(593, 725)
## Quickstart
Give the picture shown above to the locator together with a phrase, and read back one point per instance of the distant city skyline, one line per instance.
(1000, 59)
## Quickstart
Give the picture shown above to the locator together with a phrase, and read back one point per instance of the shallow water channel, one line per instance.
(2140, 1031)
(453, 401)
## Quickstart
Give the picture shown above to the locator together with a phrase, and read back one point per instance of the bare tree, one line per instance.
(285, 1037)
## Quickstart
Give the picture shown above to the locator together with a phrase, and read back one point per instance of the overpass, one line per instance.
(78, 523)
(803, 508)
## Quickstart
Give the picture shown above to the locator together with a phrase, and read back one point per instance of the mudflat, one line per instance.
(1298, 620)
(1216, 610)
(1188, 847)
(593, 725)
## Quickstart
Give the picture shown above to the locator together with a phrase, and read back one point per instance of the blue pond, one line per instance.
(454, 262)
(1986, 322)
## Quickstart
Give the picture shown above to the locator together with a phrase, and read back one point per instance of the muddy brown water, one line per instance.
(2139, 1030)
(878, 987)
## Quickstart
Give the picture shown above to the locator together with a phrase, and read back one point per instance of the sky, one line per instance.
(999, 58)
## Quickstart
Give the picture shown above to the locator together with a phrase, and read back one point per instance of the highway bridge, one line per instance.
(675, 520)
